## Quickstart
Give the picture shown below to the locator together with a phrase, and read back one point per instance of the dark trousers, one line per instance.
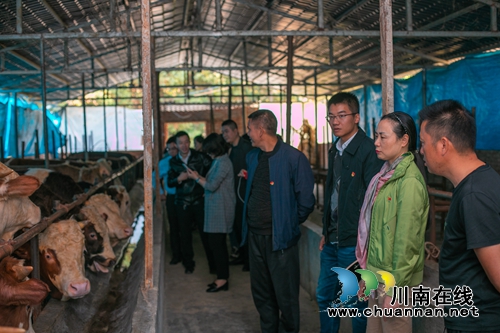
(218, 255)
(274, 278)
(237, 226)
(187, 215)
(175, 232)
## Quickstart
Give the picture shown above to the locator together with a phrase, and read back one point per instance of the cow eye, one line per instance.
(48, 256)
(93, 235)
(126, 203)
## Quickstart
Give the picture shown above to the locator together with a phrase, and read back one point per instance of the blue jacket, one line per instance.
(292, 198)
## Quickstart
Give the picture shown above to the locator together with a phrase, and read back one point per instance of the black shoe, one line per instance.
(175, 261)
(214, 288)
(245, 268)
(237, 261)
(189, 270)
(213, 284)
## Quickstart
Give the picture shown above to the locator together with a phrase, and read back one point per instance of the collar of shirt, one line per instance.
(185, 160)
(342, 146)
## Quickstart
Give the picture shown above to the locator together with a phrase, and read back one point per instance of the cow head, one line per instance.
(105, 169)
(61, 248)
(110, 211)
(120, 195)
(99, 253)
(16, 209)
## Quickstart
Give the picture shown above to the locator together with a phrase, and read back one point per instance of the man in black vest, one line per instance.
(189, 201)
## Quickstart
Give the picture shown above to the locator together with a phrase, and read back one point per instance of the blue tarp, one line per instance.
(29, 118)
(473, 81)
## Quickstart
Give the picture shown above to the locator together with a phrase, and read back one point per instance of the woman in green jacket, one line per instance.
(391, 230)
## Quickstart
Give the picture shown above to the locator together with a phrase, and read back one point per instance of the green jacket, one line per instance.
(397, 228)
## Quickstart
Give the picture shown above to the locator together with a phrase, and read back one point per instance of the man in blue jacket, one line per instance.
(279, 197)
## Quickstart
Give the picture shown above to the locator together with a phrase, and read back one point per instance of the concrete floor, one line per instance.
(189, 309)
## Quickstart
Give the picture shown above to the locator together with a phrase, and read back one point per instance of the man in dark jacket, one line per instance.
(189, 201)
(279, 197)
(352, 163)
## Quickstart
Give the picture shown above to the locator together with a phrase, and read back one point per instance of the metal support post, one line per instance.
(44, 104)
(148, 149)
(386, 48)
(289, 83)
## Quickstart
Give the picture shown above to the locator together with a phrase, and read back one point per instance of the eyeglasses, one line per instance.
(340, 117)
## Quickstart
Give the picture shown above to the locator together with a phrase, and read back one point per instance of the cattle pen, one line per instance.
(85, 80)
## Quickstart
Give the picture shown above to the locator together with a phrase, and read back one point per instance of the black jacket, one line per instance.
(188, 192)
(359, 165)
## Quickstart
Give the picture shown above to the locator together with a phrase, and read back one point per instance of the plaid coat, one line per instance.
(220, 200)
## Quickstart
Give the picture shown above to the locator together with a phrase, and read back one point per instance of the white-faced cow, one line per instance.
(120, 195)
(117, 227)
(99, 253)
(61, 248)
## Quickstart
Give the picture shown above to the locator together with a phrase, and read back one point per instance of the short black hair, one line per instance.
(267, 120)
(344, 97)
(450, 119)
(231, 123)
(181, 133)
(199, 138)
(214, 144)
(171, 139)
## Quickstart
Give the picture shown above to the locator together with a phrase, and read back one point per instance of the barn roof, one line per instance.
(101, 39)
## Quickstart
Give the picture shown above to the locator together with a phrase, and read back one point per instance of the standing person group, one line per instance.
(376, 212)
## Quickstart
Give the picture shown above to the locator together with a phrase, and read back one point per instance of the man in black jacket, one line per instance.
(352, 163)
(189, 201)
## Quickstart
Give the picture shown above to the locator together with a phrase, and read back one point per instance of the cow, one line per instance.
(54, 187)
(117, 227)
(99, 254)
(61, 248)
(18, 294)
(120, 195)
(17, 211)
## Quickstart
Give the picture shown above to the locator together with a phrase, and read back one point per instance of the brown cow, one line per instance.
(18, 294)
(120, 195)
(16, 209)
(61, 248)
(117, 227)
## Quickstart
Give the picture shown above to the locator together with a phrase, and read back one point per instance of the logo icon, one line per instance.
(349, 286)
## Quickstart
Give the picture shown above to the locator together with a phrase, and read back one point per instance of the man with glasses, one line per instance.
(352, 163)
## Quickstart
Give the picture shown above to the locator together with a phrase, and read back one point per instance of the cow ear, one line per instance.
(82, 224)
(105, 216)
(22, 272)
(22, 186)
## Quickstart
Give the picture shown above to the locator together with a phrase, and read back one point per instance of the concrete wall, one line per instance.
(309, 257)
